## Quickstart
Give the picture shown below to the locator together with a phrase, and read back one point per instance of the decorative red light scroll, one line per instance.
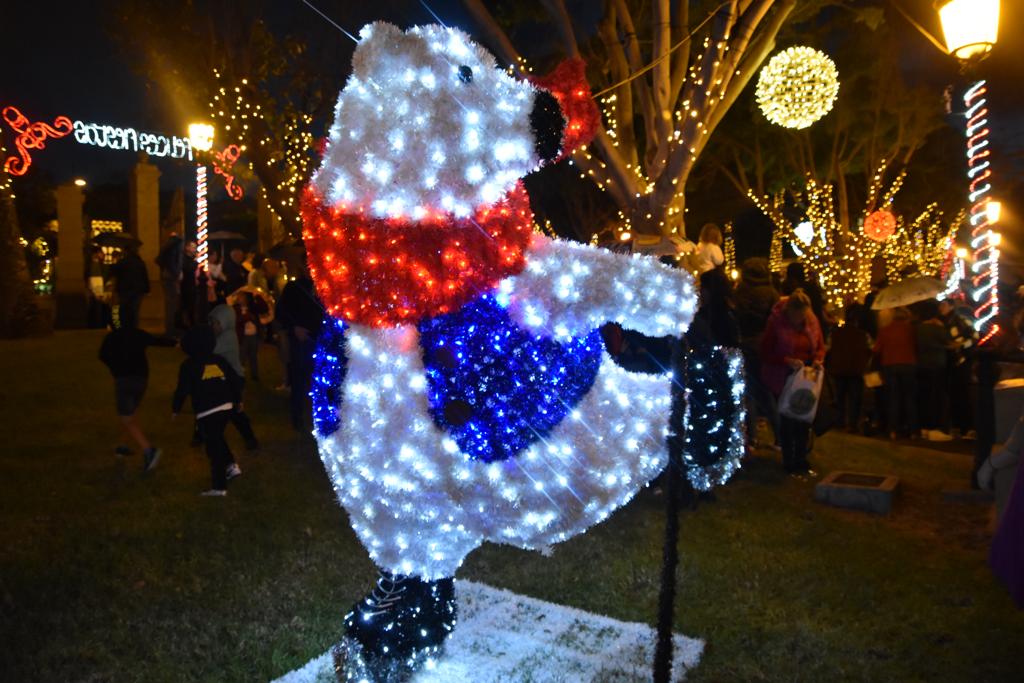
(31, 136)
(222, 163)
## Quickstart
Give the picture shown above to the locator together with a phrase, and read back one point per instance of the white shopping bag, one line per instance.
(799, 399)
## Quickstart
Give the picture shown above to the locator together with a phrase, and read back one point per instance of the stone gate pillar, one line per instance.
(144, 221)
(71, 298)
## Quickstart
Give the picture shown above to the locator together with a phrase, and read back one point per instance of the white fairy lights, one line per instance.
(496, 417)
(420, 506)
(431, 123)
(797, 87)
(569, 289)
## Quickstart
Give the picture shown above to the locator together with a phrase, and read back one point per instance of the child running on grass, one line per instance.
(216, 391)
(123, 351)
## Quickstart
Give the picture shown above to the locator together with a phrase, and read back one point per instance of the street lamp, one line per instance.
(200, 136)
(971, 28)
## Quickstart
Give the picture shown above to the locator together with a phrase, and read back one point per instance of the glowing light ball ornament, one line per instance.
(880, 225)
(462, 393)
(797, 87)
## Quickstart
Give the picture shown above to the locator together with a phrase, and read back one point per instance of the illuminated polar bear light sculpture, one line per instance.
(462, 391)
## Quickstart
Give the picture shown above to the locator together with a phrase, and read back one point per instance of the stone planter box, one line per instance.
(858, 491)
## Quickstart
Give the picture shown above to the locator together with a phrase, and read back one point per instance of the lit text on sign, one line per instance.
(114, 137)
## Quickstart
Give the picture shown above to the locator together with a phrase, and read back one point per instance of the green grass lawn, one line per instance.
(109, 576)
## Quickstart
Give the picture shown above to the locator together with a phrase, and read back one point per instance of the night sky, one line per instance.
(63, 58)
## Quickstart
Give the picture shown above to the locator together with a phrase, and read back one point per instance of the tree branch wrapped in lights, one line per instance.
(842, 259)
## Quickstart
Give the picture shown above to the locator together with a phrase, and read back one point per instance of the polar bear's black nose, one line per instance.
(548, 126)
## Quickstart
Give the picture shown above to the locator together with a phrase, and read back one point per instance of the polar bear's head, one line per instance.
(428, 122)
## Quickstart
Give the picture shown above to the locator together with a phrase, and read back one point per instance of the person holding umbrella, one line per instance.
(896, 349)
(897, 353)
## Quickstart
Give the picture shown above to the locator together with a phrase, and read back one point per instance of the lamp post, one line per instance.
(200, 136)
(971, 28)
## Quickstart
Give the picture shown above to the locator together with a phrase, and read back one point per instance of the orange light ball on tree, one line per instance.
(880, 225)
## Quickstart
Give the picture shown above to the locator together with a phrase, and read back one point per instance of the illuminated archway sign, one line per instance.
(131, 140)
(34, 136)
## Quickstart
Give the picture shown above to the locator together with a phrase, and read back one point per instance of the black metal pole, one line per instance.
(673, 489)
(985, 416)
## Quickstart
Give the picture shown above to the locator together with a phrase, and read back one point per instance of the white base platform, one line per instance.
(509, 638)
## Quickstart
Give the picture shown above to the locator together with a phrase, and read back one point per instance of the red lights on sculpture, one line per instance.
(386, 272)
(568, 84)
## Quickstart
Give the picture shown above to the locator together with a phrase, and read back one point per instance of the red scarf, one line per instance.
(384, 272)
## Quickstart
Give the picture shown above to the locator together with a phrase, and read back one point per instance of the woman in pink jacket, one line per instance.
(791, 341)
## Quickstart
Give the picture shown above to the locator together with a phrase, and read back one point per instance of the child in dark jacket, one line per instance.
(124, 352)
(215, 389)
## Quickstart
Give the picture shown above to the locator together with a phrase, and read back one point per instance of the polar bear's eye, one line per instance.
(465, 74)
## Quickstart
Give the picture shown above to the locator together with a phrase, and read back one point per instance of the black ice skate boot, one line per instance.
(395, 630)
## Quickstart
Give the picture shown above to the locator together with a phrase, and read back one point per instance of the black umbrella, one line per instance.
(115, 239)
(226, 236)
(286, 249)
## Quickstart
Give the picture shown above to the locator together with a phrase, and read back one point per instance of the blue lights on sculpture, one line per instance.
(495, 388)
(329, 366)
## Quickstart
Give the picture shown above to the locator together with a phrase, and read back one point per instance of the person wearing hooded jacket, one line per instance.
(216, 391)
(792, 340)
(222, 320)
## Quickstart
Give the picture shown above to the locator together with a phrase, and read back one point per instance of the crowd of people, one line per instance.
(905, 371)
(221, 317)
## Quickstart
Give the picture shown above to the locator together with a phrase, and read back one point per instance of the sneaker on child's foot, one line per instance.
(234, 471)
(122, 451)
(150, 458)
(214, 493)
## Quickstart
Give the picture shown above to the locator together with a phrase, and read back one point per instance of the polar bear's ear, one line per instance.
(376, 40)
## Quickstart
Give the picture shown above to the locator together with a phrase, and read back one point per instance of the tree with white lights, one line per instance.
(665, 77)
(264, 88)
(828, 178)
